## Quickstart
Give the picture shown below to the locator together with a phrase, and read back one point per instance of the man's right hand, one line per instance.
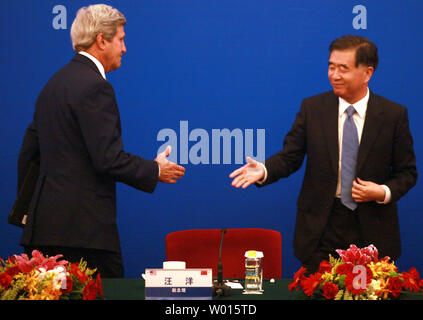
(248, 174)
(169, 171)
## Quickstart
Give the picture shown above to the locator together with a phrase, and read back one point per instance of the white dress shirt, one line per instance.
(358, 117)
(95, 60)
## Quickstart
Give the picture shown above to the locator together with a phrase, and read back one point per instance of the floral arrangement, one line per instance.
(357, 275)
(45, 278)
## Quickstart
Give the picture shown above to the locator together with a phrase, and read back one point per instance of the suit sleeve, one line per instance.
(403, 169)
(30, 152)
(99, 120)
(291, 157)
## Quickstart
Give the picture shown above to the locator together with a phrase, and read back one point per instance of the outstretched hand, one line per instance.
(248, 174)
(169, 171)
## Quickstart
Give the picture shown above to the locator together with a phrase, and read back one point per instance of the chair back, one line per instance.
(199, 248)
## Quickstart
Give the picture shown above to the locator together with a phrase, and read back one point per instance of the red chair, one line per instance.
(200, 249)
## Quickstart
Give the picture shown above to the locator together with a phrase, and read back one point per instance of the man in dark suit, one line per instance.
(360, 161)
(76, 139)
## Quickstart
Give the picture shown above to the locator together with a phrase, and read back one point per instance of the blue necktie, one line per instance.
(349, 159)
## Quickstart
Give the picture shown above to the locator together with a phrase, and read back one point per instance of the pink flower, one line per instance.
(370, 252)
(26, 265)
(23, 263)
(358, 256)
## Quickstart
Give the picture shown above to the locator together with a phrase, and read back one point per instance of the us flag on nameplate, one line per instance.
(152, 272)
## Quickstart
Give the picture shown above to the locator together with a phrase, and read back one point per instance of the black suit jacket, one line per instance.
(386, 156)
(76, 138)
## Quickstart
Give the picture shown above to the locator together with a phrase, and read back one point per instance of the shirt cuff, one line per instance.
(265, 174)
(387, 195)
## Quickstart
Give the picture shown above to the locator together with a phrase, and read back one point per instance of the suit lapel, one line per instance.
(372, 124)
(330, 128)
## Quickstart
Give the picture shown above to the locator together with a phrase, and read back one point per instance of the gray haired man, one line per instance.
(76, 139)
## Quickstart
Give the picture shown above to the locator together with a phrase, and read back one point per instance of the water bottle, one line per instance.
(253, 272)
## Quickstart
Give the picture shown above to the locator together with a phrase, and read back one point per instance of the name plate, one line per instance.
(178, 284)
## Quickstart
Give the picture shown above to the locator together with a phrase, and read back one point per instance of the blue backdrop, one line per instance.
(216, 64)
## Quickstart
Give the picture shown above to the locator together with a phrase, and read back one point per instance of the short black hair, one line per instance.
(366, 51)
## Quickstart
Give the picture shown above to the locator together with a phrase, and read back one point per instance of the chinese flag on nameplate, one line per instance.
(203, 272)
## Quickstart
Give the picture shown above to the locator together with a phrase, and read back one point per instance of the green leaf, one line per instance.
(341, 283)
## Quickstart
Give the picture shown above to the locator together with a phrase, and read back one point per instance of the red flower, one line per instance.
(395, 286)
(330, 290)
(13, 271)
(411, 280)
(298, 276)
(5, 280)
(93, 289)
(344, 268)
(74, 269)
(311, 283)
(90, 291)
(355, 276)
(325, 266)
(99, 285)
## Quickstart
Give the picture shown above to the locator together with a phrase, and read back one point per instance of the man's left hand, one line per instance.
(365, 191)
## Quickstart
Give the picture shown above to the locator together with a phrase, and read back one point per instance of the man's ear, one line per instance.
(100, 41)
(369, 73)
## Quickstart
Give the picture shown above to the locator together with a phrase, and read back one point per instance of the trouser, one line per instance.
(342, 230)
